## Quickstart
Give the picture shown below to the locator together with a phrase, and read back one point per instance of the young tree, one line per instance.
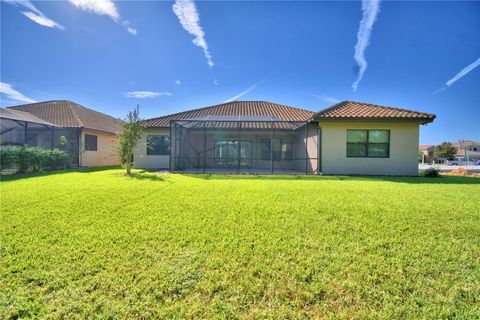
(445, 150)
(129, 137)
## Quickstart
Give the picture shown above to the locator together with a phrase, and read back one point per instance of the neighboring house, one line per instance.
(265, 137)
(427, 153)
(467, 150)
(91, 135)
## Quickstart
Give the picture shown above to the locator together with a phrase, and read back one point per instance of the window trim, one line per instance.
(367, 143)
(85, 142)
(158, 135)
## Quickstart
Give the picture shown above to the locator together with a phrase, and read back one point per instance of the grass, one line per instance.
(98, 244)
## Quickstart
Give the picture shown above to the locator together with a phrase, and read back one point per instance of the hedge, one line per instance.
(25, 158)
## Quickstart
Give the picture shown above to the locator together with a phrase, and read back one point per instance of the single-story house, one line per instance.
(264, 137)
(91, 136)
(426, 151)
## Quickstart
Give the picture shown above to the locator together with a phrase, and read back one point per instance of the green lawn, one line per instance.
(98, 244)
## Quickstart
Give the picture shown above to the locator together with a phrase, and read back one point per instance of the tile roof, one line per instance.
(236, 108)
(22, 116)
(428, 146)
(346, 110)
(69, 114)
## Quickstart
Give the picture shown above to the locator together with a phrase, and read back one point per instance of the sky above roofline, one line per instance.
(174, 56)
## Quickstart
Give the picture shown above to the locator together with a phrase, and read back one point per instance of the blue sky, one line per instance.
(110, 56)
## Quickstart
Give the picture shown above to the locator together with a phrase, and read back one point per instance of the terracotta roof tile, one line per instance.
(236, 108)
(358, 110)
(69, 114)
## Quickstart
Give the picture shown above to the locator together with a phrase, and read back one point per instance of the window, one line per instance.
(368, 143)
(158, 145)
(282, 149)
(90, 142)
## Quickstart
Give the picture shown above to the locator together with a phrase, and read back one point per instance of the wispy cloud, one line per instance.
(244, 92)
(463, 72)
(459, 75)
(145, 94)
(178, 82)
(215, 82)
(104, 8)
(370, 10)
(9, 92)
(187, 14)
(35, 15)
(322, 97)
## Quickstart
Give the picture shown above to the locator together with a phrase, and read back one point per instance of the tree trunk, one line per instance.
(129, 168)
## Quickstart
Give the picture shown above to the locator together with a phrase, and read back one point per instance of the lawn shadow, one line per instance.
(316, 178)
(143, 175)
(45, 173)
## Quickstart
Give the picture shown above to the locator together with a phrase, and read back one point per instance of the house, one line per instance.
(264, 137)
(467, 150)
(90, 136)
(426, 151)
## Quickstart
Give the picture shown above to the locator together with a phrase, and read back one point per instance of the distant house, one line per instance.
(91, 135)
(427, 153)
(467, 150)
(264, 137)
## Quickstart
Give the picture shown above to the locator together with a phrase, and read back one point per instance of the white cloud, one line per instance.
(103, 8)
(215, 82)
(145, 94)
(35, 15)
(370, 9)
(245, 92)
(322, 97)
(178, 82)
(187, 14)
(459, 75)
(7, 90)
(463, 72)
(42, 20)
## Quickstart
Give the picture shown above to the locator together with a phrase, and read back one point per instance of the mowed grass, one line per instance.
(99, 244)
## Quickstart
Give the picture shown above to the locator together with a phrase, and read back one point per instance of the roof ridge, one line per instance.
(225, 103)
(336, 105)
(74, 112)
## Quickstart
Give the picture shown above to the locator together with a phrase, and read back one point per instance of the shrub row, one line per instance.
(25, 158)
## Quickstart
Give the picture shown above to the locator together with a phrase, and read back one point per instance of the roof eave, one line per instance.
(421, 120)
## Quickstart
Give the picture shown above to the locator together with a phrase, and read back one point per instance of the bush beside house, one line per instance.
(24, 158)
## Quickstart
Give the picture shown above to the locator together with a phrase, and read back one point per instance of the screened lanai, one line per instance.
(244, 144)
(22, 128)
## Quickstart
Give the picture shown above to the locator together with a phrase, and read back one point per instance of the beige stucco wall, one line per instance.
(106, 154)
(144, 161)
(403, 158)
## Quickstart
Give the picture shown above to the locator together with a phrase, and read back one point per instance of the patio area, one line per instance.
(250, 145)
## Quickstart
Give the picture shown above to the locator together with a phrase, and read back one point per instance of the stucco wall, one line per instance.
(144, 161)
(106, 154)
(403, 158)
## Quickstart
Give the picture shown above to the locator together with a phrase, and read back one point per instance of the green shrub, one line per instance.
(430, 173)
(9, 156)
(31, 158)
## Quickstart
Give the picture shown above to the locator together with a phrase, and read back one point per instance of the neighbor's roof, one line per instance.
(351, 110)
(254, 109)
(428, 146)
(69, 114)
(22, 116)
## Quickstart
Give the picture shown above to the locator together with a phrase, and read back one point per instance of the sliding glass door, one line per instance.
(233, 153)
